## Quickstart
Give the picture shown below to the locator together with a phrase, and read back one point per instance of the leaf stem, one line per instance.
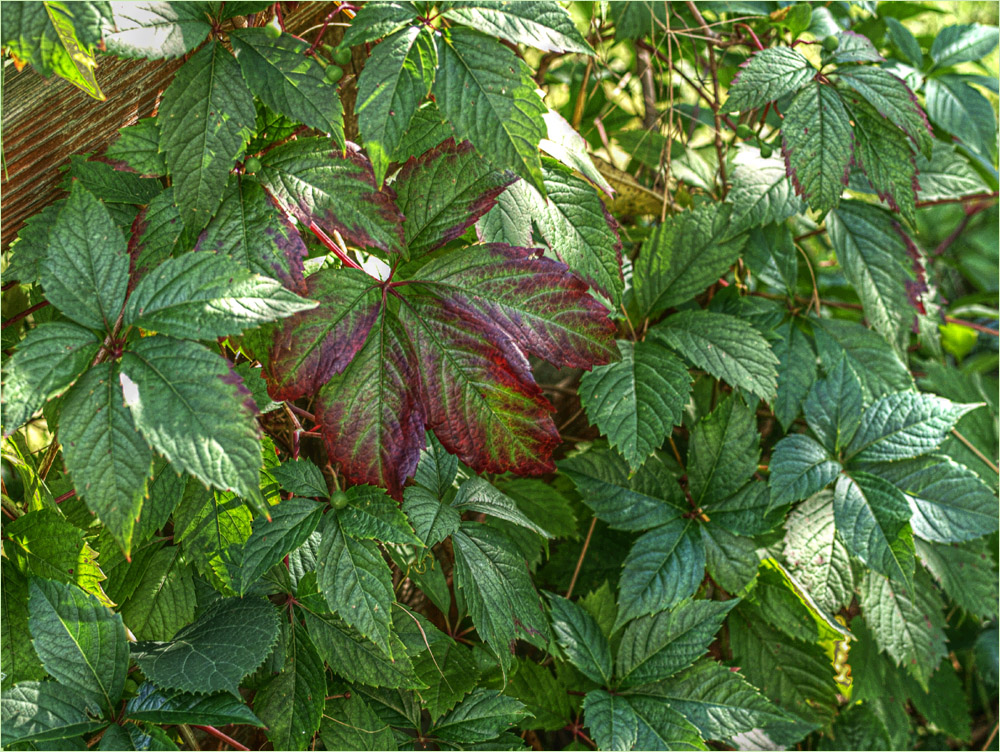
(579, 561)
(212, 731)
(975, 451)
(328, 242)
(26, 312)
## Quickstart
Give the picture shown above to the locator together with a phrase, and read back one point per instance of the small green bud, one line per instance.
(342, 55)
(252, 165)
(766, 150)
(831, 43)
(744, 131)
(334, 73)
(338, 500)
(328, 49)
(273, 29)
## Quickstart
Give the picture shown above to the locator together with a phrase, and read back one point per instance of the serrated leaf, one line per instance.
(656, 647)
(544, 25)
(301, 477)
(372, 515)
(873, 255)
(432, 520)
(292, 521)
(799, 468)
(81, 643)
(719, 701)
(191, 407)
(291, 703)
(156, 235)
(396, 78)
(796, 372)
(444, 192)
(899, 426)
(206, 118)
(637, 401)
(163, 597)
(288, 81)
(230, 639)
(206, 525)
(362, 728)
(761, 192)
(834, 406)
(727, 347)
(766, 76)
(543, 695)
(478, 495)
(683, 256)
(907, 43)
(207, 295)
(722, 452)
(379, 20)
(437, 468)
(334, 190)
(171, 706)
(450, 671)
(29, 249)
(730, 559)
(663, 567)
(564, 144)
(47, 362)
(485, 93)
(947, 174)
(626, 501)
(870, 357)
(961, 110)
(481, 716)
(817, 142)
(581, 638)
(137, 146)
(815, 554)
(966, 573)
(510, 221)
(906, 622)
(749, 511)
(156, 30)
(960, 44)
(105, 455)
(86, 272)
(858, 727)
(249, 228)
(950, 503)
(18, 660)
(893, 100)
(46, 711)
(108, 184)
(611, 720)
(496, 587)
(855, 48)
(356, 582)
(871, 516)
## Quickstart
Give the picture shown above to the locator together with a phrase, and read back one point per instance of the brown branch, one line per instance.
(579, 561)
(26, 312)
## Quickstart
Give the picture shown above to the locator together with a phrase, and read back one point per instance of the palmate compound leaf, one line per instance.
(445, 350)
(579, 635)
(228, 641)
(769, 74)
(893, 100)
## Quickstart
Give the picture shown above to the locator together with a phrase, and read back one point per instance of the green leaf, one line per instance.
(110, 185)
(206, 118)
(796, 372)
(437, 468)
(816, 556)
(46, 711)
(357, 659)
(477, 495)
(899, 426)
(858, 727)
(727, 347)
(581, 638)
(817, 143)
(961, 110)
(156, 234)
(854, 48)
(251, 230)
(481, 716)
(542, 502)
(663, 567)
(966, 573)
(723, 451)
(292, 521)
(510, 220)
(373, 515)
(950, 503)
(796, 675)
(683, 256)
(301, 477)
(230, 639)
(761, 192)
(163, 597)
(961, 44)
(170, 706)
(86, 272)
(564, 144)
(137, 147)
(906, 622)
(334, 190)
(379, 20)
(361, 727)
(544, 25)
(730, 559)
(656, 647)
(637, 401)
(207, 295)
(871, 517)
(487, 95)
(661, 727)
(46, 363)
(746, 512)
(907, 43)
(288, 81)
(543, 695)
(495, 585)
(207, 524)
(450, 671)
(291, 703)
(626, 500)
(870, 357)
(611, 720)
(156, 30)
(799, 468)
(396, 78)
(356, 582)
(893, 100)
(718, 701)
(191, 407)
(82, 644)
(766, 76)
(107, 458)
(945, 704)
(31, 246)
(947, 174)
(432, 520)
(873, 255)
(834, 406)
(18, 660)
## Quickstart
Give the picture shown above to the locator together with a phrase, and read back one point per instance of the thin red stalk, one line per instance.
(972, 325)
(300, 412)
(63, 497)
(27, 312)
(756, 41)
(337, 251)
(212, 731)
(9, 285)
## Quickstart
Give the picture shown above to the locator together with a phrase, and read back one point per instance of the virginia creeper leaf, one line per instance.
(578, 635)
(893, 100)
(816, 556)
(871, 516)
(291, 703)
(611, 720)
(904, 425)
(766, 76)
(155, 30)
(545, 25)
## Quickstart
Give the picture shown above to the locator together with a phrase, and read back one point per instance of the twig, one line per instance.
(328, 242)
(189, 736)
(992, 734)
(959, 199)
(581, 97)
(26, 312)
(975, 451)
(579, 562)
(212, 731)
(691, 6)
(972, 325)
